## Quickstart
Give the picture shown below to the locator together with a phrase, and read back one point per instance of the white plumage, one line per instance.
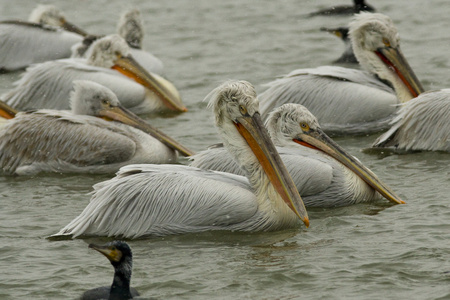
(421, 124)
(47, 85)
(147, 200)
(348, 101)
(321, 180)
(79, 141)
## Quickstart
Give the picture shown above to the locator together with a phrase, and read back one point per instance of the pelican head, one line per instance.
(376, 44)
(113, 52)
(130, 27)
(293, 122)
(236, 108)
(93, 99)
(52, 16)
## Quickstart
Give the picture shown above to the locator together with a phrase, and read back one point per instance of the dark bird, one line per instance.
(120, 256)
(341, 10)
(342, 32)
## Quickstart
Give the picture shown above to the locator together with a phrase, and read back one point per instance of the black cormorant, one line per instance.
(120, 256)
(359, 6)
(342, 32)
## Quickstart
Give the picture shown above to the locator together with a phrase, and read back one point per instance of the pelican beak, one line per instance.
(161, 87)
(110, 252)
(123, 115)
(397, 63)
(253, 131)
(72, 27)
(317, 139)
(7, 111)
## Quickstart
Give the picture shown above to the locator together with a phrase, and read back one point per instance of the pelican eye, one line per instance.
(118, 54)
(105, 102)
(304, 126)
(242, 110)
(386, 42)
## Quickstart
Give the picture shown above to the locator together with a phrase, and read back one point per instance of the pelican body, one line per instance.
(348, 101)
(46, 36)
(421, 124)
(81, 140)
(46, 85)
(148, 200)
(23, 44)
(324, 173)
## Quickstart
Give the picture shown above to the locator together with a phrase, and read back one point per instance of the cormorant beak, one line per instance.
(161, 87)
(317, 139)
(253, 131)
(123, 115)
(111, 252)
(393, 58)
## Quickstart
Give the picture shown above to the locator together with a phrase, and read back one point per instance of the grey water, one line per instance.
(369, 251)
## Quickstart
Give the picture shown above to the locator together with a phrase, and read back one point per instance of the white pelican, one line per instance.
(324, 173)
(348, 101)
(340, 10)
(144, 200)
(342, 32)
(47, 85)
(421, 124)
(49, 15)
(79, 141)
(39, 40)
(131, 29)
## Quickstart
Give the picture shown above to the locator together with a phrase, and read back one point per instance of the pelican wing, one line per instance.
(22, 44)
(58, 141)
(48, 85)
(145, 200)
(421, 124)
(148, 61)
(310, 174)
(343, 100)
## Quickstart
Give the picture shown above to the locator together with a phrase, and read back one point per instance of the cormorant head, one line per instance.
(117, 252)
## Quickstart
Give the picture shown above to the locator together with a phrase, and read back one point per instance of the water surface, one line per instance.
(369, 251)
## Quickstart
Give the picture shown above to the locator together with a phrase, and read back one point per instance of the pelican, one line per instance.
(47, 36)
(324, 173)
(147, 200)
(358, 6)
(342, 32)
(348, 101)
(421, 124)
(131, 29)
(46, 85)
(79, 141)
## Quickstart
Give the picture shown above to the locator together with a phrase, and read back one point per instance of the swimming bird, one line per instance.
(421, 124)
(348, 101)
(130, 27)
(80, 141)
(46, 36)
(48, 85)
(49, 15)
(358, 6)
(324, 173)
(147, 200)
(342, 32)
(121, 258)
